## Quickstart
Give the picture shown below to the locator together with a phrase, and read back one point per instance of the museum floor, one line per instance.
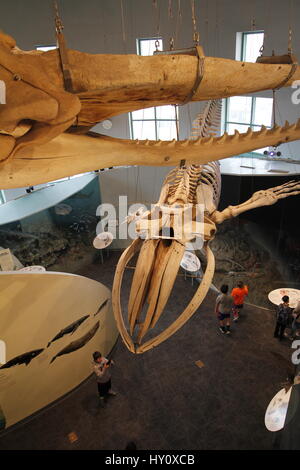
(165, 401)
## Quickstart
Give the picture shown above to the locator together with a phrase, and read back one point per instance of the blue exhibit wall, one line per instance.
(59, 237)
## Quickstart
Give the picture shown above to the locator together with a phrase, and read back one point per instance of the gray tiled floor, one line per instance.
(165, 401)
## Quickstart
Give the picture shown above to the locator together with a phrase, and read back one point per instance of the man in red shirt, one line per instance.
(238, 294)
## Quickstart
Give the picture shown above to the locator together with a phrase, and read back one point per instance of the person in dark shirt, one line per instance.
(295, 329)
(284, 315)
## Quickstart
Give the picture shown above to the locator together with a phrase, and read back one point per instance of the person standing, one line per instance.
(284, 314)
(238, 293)
(295, 330)
(102, 370)
(223, 309)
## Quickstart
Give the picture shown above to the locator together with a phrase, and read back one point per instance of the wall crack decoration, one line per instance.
(69, 329)
(25, 358)
(79, 343)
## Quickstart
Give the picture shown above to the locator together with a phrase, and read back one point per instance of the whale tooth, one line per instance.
(208, 140)
(171, 143)
(262, 132)
(223, 137)
(235, 136)
(249, 132)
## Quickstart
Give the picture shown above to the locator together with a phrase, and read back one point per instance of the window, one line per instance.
(153, 123)
(247, 111)
(148, 46)
(242, 112)
(45, 48)
(251, 42)
(2, 197)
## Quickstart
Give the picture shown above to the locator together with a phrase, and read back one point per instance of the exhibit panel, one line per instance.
(52, 231)
(50, 323)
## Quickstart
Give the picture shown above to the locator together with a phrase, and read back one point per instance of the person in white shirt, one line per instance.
(224, 304)
(102, 370)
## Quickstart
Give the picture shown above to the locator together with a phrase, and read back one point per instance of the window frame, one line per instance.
(2, 197)
(251, 124)
(241, 44)
(155, 119)
(46, 47)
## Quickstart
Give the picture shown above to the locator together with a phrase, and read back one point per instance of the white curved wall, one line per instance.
(34, 308)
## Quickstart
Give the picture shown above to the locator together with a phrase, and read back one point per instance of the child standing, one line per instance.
(223, 309)
(238, 293)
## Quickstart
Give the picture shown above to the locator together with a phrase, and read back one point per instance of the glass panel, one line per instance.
(147, 46)
(147, 113)
(165, 112)
(60, 180)
(45, 48)
(261, 150)
(166, 130)
(143, 130)
(239, 109)
(257, 128)
(253, 42)
(239, 127)
(263, 111)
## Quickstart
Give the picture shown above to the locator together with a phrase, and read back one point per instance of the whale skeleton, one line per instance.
(187, 211)
(45, 130)
(45, 135)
